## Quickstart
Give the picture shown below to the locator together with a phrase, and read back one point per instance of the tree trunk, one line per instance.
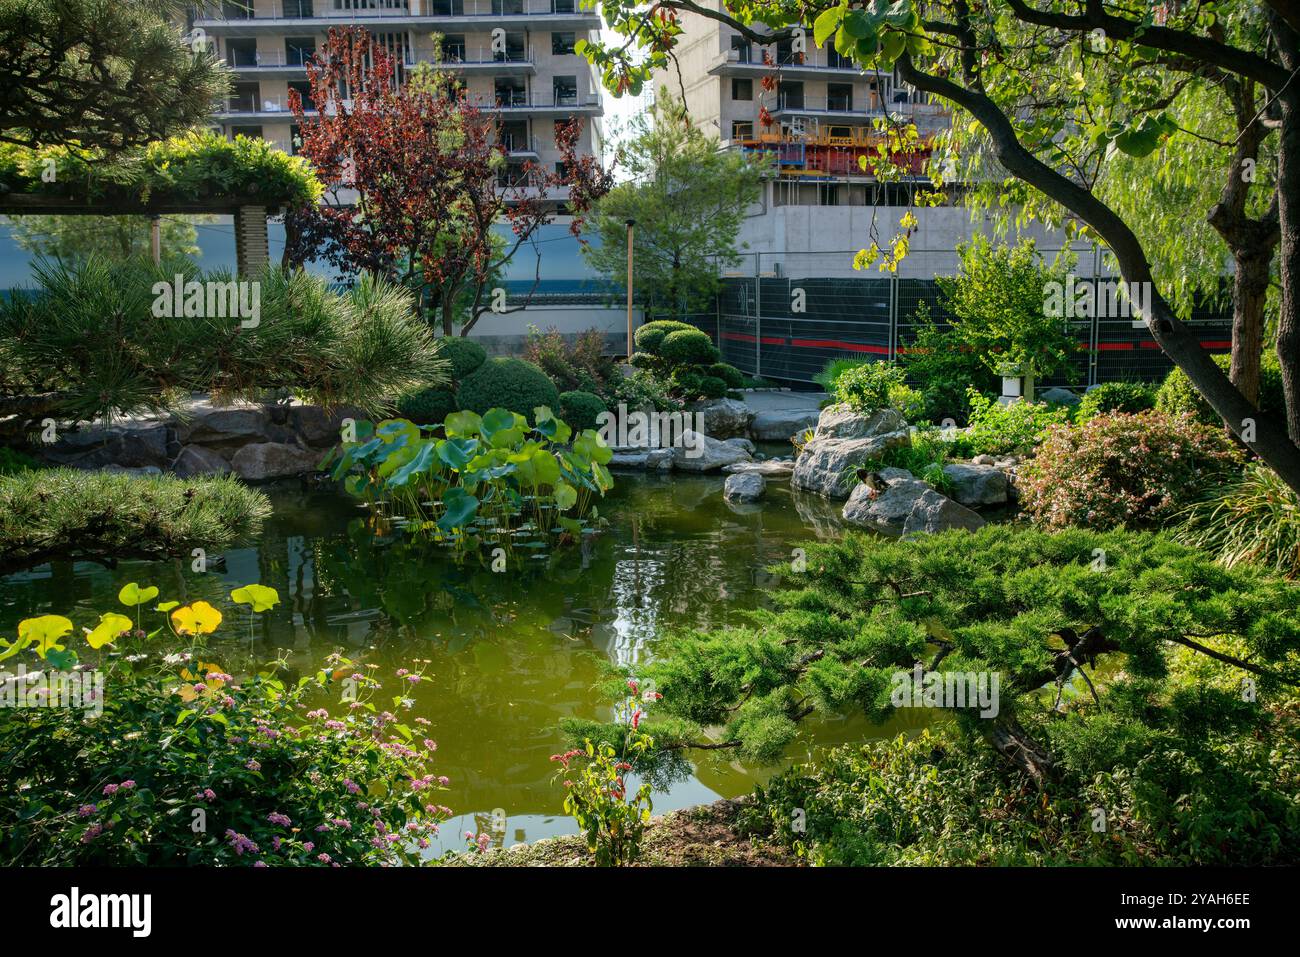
(1249, 294)
(1288, 191)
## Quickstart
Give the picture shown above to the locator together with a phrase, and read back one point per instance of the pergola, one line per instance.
(252, 248)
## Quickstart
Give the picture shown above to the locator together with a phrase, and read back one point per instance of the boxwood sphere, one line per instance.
(508, 383)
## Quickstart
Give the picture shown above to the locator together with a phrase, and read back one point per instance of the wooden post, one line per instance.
(155, 239)
(630, 224)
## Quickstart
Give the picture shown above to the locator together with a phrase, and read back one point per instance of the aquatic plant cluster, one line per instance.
(479, 479)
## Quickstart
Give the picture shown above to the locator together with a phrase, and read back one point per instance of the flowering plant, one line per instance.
(596, 787)
(181, 763)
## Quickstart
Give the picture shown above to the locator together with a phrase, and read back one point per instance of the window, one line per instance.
(562, 43)
(298, 50)
(453, 48)
(566, 90)
(785, 52)
(514, 136)
(304, 91)
(241, 53)
(839, 96)
(252, 132)
(244, 97)
(299, 9)
(237, 9)
(515, 51)
(562, 170)
(742, 131)
(507, 7)
(742, 89)
(446, 8)
(295, 139)
(744, 49)
(790, 96)
(835, 61)
(510, 91)
(563, 6)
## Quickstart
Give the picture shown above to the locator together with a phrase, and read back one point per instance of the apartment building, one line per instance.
(822, 110)
(514, 57)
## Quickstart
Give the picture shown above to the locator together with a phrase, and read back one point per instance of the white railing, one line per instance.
(425, 9)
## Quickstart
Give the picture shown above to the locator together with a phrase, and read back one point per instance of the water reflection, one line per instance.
(509, 654)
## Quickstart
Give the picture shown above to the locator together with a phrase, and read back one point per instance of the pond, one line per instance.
(508, 654)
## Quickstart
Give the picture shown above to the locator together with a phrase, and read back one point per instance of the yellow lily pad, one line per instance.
(110, 626)
(196, 618)
(260, 597)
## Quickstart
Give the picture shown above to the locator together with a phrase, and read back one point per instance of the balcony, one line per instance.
(815, 65)
(522, 104)
(276, 17)
(831, 107)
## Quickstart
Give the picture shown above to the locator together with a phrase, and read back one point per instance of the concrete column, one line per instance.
(252, 247)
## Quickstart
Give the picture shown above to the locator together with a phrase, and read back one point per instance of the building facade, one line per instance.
(515, 58)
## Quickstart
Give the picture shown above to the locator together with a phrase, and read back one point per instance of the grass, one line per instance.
(99, 516)
(1254, 520)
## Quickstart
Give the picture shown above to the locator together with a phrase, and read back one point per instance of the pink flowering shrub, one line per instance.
(199, 768)
(1119, 469)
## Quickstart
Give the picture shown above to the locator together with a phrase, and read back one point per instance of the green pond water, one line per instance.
(508, 654)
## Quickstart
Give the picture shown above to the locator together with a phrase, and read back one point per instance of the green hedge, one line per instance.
(1177, 395)
(580, 410)
(688, 347)
(428, 406)
(1130, 397)
(465, 356)
(508, 383)
(650, 337)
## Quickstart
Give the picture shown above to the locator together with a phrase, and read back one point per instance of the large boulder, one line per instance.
(825, 466)
(1057, 395)
(778, 425)
(722, 418)
(197, 460)
(209, 424)
(693, 452)
(130, 445)
(744, 487)
(977, 484)
(319, 428)
(884, 509)
(841, 422)
(933, 512)
(270, 460)
(741, 443)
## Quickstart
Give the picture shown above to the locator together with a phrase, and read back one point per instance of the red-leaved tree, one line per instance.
(415, 181)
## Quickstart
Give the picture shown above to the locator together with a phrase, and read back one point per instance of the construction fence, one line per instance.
(787, 327)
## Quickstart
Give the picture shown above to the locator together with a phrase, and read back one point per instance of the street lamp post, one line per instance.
(630, 224)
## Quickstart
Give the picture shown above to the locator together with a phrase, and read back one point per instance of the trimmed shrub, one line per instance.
(1130, 397)
(428, 406)
(711, 387)
(650, 336)
(508, 383)
(733, 377)
(1177, 395)
(688, 346)
(581, 409)
(1135, 470)
(464, 355)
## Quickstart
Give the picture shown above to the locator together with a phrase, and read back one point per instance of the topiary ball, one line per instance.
(465, 356)
(688, 347)
(508, 383)
(428, 406)
(581, 410)
(650, 337)
(711, 387)
(733, 377)
(1108, 397)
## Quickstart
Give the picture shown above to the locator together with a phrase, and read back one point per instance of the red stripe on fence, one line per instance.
(738, 337)
(839, 344)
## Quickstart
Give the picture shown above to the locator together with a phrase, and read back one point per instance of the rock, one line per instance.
(268, 460)
(890, 475)
(826, 465)
(141, 472)
(977, 484)
(659, 460)
(933, 512)
(769, 468)
(982, 460)
(1009, 462)
(208, 424)
(886, 510)
(196, 460)
(744, 487)
(741, 443)
(840, 422)
(779, 425)
(132, 445)
(722, 418)
(319, 428)
(629, 460)
(694, 452)
(1058, 395)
